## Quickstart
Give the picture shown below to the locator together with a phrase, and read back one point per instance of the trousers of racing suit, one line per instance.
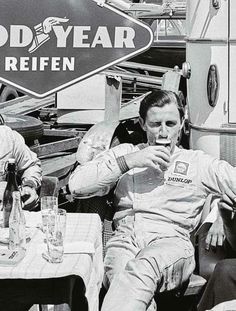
(136, 265)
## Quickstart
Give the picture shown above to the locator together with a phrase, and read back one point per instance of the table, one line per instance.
(79, 276)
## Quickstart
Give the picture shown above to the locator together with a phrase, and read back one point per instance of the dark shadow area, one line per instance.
(21, 294)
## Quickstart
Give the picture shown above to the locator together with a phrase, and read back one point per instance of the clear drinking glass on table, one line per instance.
(55, 234)
(48, 203)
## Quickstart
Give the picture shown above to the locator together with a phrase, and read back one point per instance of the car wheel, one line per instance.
(8, 93)
(120, 136)
(30, 128)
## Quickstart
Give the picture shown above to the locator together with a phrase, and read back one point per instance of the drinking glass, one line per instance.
(55, 233)
(61, 218)
(48, 203)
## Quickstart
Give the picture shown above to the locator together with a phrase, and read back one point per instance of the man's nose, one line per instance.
(163, 131)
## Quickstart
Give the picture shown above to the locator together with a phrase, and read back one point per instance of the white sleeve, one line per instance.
(28, 165)
(215, 174)
(99, 176)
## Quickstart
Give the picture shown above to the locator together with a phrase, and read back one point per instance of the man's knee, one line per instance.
(114, 265)
(145, 269)
(110, 269)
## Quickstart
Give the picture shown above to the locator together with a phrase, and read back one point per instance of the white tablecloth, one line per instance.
(89, 266)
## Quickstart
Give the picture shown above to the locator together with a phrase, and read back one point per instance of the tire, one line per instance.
(8, 93)
(30, 128)
(120, 136)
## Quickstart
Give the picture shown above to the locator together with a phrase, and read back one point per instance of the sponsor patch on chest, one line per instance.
(179, 180)
(181, 168)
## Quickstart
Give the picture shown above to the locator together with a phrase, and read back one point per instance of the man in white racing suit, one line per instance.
(27, 164)
(159, 195)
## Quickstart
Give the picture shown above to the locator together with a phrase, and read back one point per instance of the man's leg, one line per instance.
(119, 250)
(165, 264)
(221, 285)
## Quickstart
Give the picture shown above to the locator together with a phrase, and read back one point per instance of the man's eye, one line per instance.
(170, 123)
(155, 124)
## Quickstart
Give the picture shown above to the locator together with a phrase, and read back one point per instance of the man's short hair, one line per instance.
(160, 98)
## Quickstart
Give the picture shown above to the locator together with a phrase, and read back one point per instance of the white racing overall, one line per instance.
(13, 146)
(156, 212)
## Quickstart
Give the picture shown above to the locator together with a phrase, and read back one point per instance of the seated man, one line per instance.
(159, 195)
(28, 165)
(221, 286)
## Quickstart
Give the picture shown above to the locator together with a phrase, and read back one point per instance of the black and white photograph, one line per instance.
(118, 155)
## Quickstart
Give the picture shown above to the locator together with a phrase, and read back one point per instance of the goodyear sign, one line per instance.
(48, 45)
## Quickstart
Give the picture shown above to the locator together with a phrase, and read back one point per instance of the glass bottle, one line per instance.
(10, 187)
(17, 239)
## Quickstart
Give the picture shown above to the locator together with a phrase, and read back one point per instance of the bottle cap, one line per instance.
(11, 161)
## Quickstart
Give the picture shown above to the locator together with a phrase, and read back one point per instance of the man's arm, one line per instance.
(97, 177)
(219, 178)
(28, 165)
(29, 168)
(227, 208)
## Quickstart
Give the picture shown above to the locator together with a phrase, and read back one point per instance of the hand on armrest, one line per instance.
(215, 236)
(227, 208)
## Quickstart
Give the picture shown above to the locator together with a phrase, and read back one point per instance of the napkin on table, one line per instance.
(78, 247)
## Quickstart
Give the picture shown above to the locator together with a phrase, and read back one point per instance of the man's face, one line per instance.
(162, 124)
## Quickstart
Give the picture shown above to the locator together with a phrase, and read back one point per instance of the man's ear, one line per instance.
(182, 123)
(181, 127)
(142, 124)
